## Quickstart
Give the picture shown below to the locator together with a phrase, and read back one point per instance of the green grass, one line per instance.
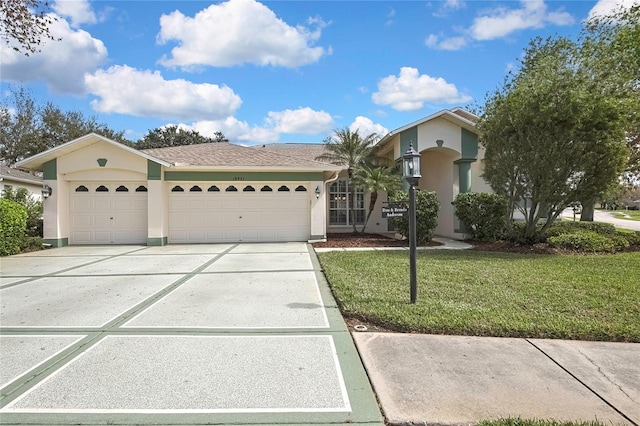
(595, 297)
(525, 422)
(627, 214)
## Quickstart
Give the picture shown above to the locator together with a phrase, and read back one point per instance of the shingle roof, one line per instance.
(308, 151)
(7, 172)
(224, 154)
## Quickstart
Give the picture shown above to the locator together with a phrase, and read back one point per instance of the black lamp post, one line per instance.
(411, 172)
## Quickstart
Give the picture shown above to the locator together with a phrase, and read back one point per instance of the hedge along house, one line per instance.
(104, 192)
(451, 160)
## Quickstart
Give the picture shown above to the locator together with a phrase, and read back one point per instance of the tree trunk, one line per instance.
(588, 208)
(372, 203)
(352, 207)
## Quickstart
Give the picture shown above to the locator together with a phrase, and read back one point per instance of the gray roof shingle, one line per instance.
(224, 154)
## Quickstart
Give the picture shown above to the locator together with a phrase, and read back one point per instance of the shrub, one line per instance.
(569, 227)
(484, 215)
(427, 207)
(583, 240)
(633, 238)
(32, 244)
(13, 222)
(33, 207)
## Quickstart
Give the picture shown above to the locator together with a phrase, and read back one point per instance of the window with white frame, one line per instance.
(340, 204)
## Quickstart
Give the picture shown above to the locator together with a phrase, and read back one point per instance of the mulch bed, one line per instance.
(348, 240)
(360, 240)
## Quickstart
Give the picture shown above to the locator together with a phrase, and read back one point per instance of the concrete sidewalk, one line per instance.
(451, 380)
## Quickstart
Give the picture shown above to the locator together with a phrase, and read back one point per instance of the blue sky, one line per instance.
(282, 71)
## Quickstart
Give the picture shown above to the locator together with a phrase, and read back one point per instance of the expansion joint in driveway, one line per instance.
(62, 271)
(162, 293)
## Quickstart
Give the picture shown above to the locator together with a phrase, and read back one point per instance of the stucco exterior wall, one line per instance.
(34, 189)
(318, 211)
(478, 184)
(438, 175)
(121, 165)
(439, 129)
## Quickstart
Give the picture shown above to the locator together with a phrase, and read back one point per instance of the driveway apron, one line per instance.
(179, 334)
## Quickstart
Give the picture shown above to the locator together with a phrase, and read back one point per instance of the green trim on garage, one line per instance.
(57, 242)
(157, 241)
(469, 145)
(243, 176)
(50, 170)
(408, 137)
(154, 170)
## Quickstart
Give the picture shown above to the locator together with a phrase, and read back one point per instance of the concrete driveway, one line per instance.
(183, 334)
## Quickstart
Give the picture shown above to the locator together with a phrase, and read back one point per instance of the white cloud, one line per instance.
(126, 90)
(452, 43)
(410, 90)
(234, 130)
(238, 32)
(605, 7)
(500, 22)
(61, 64)
(79, 11)
(449, 6)
(302, 120)
(365, 127)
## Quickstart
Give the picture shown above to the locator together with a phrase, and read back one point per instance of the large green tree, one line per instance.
(175, 136)
(24, 24)
(610, 50)
(27, 128)
(564, 127)
(551, 135)
(350, 149)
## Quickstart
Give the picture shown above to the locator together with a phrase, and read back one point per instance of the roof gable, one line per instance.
(458, 116)
(36, 162)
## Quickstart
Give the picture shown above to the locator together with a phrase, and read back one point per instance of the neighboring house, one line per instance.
(16, 179)
(106, 193)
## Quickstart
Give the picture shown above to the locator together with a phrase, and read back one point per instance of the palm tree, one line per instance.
(374, 179)
(348, 148)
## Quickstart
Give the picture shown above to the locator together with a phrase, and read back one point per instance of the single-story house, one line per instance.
(103, 192)
(15, 179)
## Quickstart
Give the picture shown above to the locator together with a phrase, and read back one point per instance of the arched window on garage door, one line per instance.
(141, 188)
(266, 188)
(177, 188)
(231, 189)
(195, 188)
(213, 188)
(284, 188)
(82, 188)
(249, 188)
(102, 188)
(301, 188)
(122, 188)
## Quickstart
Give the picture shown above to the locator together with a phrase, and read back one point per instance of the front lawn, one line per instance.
(627, 214)
(590, 297)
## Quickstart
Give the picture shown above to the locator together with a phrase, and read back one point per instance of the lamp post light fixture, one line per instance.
(317, 192)
(46, 191)
(411, 172)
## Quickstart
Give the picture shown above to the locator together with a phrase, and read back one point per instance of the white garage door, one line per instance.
(108, 213)
(247, 212)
